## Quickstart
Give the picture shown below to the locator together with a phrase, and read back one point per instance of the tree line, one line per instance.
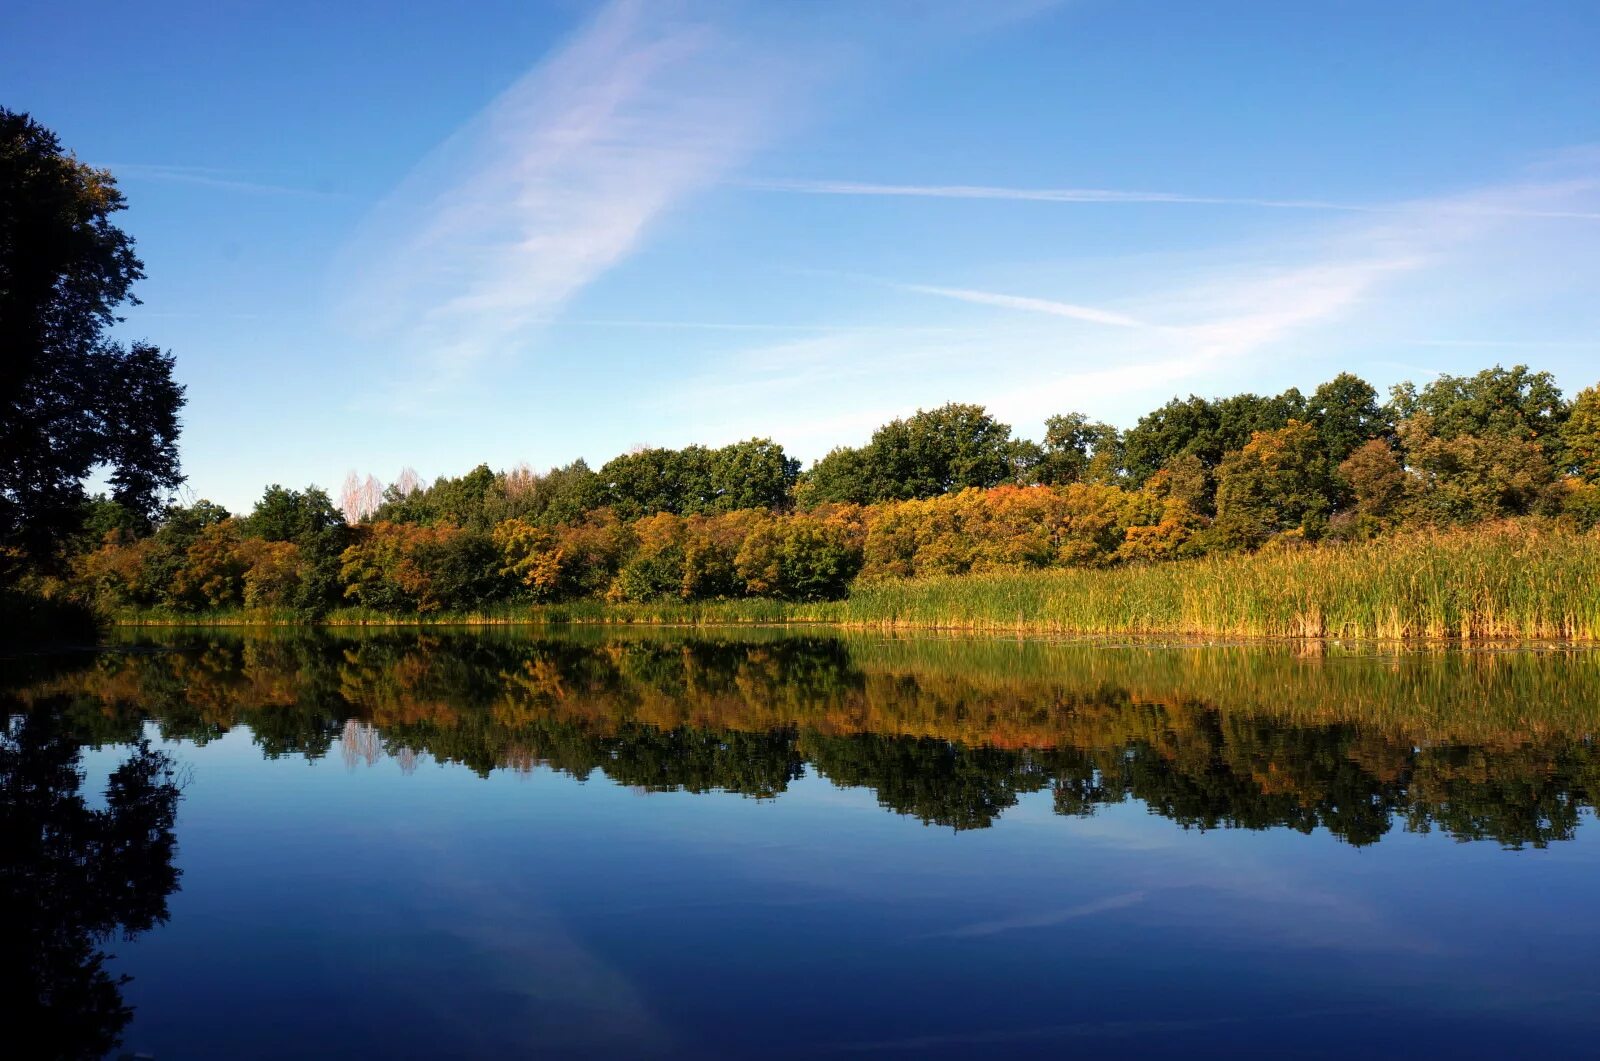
(946, 491)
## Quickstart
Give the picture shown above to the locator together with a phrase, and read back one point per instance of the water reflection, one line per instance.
(1482, 745)
(75, 876)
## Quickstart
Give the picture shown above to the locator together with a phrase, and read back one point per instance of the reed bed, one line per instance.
(1498, 583)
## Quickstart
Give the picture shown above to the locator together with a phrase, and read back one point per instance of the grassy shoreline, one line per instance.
(1496, 584)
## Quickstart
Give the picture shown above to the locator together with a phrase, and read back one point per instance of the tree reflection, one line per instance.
(1496, 746)
(75, 876)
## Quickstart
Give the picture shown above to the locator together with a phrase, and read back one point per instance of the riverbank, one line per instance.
(1495, 584)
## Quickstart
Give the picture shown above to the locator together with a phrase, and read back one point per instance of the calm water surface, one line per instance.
(767, 844)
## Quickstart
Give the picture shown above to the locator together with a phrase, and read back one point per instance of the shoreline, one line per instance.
(1507, 584)
(1150, 636)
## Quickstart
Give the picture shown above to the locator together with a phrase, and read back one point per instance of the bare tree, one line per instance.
(371, 496)
(521, 480)
(350, 497)
(360, 498)
(360, 742)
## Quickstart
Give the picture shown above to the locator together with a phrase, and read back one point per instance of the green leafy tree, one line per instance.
(1514, 403)
(310, 521)
(464, 570)
(1346, 414)
(656, 569)
(561, 495)
(844, 476)
(935, 451)
(1580, 437)
(752, 474)
(1465, 478)
(159, 578)
(1275, 484)
(1205, 429)
(104, 519)
(470, 500)
(284, 515)
(1376, 480)
(799, 557)
(1077, 450)
(649, 481)
(71, 401)
(938, 451)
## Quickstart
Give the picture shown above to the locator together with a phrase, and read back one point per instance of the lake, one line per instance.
(767, 843)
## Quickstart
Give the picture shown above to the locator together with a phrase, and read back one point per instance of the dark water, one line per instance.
(772, 845)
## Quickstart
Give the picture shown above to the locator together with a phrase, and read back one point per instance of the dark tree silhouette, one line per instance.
(71, 401)
(74, 877)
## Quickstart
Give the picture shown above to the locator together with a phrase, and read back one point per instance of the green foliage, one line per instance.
(656, 570)
(1514, 403)
(1276, 484)
(104, 519)
(939, 451)
(1346, 415)
(696, 480)
(648, 481)
(1077, 450)
(292, 515)
(936, 451)
(1204, 429)
(1580, 437)
(1465, 478)
(462, 501)
(1580, 505)
(1378, 487)
(464, 570)
(167, 554)
(397, 567)
(800, 558)
(560, 495)
(305, 578)
(752, 474)
(844, 476)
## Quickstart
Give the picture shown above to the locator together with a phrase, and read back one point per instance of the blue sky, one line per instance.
(431, 235)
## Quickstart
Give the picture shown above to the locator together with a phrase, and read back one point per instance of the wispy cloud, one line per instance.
(1239, 315)
(646, 324)
(1131, 198)
(221, 179)
(557, 181)
(1045, 918)
(1500, 344)
(1030, 195)
(1033, 305)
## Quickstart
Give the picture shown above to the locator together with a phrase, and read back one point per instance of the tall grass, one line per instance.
(1509, 582)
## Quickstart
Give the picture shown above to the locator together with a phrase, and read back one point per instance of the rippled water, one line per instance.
(775, 844)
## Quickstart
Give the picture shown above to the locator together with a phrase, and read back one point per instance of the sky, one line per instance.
(435, 235)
